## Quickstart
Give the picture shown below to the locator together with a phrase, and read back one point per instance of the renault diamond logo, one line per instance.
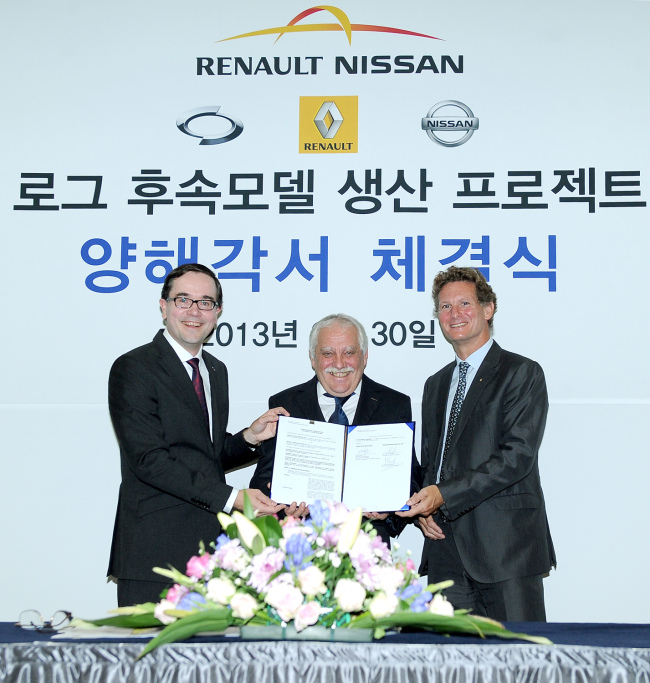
(328, 120)
(329, 124)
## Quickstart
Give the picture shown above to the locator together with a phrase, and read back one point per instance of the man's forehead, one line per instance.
(326, 338)
(194, 285)
(459, 288)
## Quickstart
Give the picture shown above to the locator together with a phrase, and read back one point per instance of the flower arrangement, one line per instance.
(324, 570)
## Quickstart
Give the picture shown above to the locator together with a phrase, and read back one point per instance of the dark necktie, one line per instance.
(338, 416)
(459, 396)
(197, 381)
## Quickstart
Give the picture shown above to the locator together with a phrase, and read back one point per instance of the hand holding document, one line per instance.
(367, 466)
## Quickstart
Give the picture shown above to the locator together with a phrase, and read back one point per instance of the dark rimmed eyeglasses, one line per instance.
(201, 304)
(32, 620)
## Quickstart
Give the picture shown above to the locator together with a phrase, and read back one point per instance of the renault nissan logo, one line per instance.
(437, 125)
(184, 120)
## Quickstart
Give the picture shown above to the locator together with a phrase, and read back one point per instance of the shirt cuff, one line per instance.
(227, 508)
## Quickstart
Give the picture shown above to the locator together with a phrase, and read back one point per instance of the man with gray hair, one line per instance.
(340, 392)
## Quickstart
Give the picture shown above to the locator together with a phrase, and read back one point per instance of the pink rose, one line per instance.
(286, 599)
(196, 565)
(176, 593)
(410, 565)
(307, 615)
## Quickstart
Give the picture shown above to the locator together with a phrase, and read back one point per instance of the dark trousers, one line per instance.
(130, 592)
(517, 599)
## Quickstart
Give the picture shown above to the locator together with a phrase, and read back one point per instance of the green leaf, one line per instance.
(175, 576)
(460, 623)
(144, 608)
(210, 620)
(249, 510)
(270, 529)
(128, 621)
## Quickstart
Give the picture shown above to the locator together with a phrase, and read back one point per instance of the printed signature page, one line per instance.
(308, 461)
(378, 466)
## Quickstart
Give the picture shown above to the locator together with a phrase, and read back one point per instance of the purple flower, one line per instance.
(263, 566)
(419, 604)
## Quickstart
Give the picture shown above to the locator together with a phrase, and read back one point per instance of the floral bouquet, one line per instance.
(324, 570)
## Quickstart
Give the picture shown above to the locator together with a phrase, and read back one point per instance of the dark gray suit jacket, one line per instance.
(491, 485)
(173, 473)
(378, 404)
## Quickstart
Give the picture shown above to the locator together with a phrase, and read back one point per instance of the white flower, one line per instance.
(335, 560)
(349, 531)
(390, 579)
(312, 581)
(159, 612)
(383, 605)
(350, 595)
(248, 532)
(440, 605)
(243, 605)
(220, 590)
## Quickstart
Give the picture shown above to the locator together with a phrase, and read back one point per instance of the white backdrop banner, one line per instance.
(323, 159)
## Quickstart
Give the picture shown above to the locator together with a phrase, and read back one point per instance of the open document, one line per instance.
(367, 465)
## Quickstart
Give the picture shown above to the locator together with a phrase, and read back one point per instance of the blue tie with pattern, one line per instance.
(459, 397)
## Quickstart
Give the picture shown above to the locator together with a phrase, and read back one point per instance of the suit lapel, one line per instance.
(183, 388)
(440, 410)
(307, 399)
(369, 400)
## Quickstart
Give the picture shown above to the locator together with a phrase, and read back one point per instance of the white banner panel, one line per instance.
(323, 160)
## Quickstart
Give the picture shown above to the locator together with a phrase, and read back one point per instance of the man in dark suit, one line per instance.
(340, 392)
(482, 508)
(168, 401)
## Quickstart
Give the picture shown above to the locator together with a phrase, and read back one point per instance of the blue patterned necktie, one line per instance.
(338, 416)
(459, 397)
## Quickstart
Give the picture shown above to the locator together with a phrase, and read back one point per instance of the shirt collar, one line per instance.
(476, 358)
(321, 391)
(181, 352)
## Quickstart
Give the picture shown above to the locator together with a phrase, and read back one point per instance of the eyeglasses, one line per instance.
(32, 620)
(201, 304)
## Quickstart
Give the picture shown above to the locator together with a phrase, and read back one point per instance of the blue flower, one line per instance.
(222, 539)
(319, 513)
(410, 591)
(191, 601)
(421, 601)
(297, 548)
